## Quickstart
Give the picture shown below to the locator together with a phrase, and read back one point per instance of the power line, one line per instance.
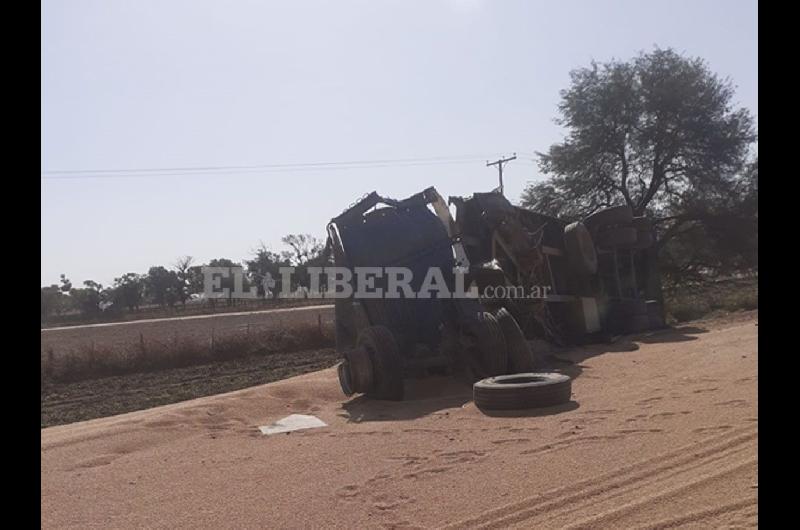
(270, 167)
(250, 171)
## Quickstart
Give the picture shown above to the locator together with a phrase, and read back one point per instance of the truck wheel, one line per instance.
(616, 215)
(387, 365)
(343, 371)
(581, 253)
(520, 357)
(522, 391)
(656, 314)
(618, 236)
(358, 367)
(488, 352)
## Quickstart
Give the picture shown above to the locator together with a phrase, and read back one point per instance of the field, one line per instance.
(80, 352)
(67, 402)
(661, 432)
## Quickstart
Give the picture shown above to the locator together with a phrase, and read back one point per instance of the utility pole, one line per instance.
(499, 163)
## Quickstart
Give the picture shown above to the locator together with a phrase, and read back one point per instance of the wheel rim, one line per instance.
(344, 377)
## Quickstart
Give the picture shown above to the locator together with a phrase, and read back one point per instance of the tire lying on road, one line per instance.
(522, 391)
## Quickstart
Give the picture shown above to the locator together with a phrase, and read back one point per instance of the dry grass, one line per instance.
(713, 299)
(91, 362)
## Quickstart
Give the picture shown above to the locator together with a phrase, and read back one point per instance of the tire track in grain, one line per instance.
(690, 455)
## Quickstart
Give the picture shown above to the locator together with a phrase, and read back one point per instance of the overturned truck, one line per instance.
(532, 277)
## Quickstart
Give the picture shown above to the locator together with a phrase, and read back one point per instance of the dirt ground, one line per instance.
(661, 432)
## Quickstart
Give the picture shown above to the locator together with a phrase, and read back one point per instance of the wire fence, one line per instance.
(195, 308)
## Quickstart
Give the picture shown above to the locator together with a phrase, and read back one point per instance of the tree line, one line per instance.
(177, 284)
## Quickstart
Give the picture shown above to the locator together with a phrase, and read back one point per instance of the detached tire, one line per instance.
(616, 215)
(520, 356)
(522, 391)
(387, 365)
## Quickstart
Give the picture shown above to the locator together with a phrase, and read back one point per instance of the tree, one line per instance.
(715, 236)
(162, 286)
(128, 291)
(226, 283)
(304, 247)
(66, 285)
(54, 301)
(89, 298)
(306, 251)
(195, 280)
(653, 133)
(183, 267)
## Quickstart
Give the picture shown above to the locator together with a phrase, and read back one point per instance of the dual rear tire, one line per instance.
(374, 367)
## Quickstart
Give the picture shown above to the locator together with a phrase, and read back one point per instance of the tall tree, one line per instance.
(654, 132)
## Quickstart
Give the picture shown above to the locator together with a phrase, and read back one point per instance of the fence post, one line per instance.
(50, 368)
(319, 322)
(143, 351)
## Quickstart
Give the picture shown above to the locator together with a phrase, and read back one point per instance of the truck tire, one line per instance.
(343, 371)
(581, 253)
(618, 236)
(359, 369)
(616, 215)
(656, 314)
(520, 356)
(522, 391)
(489, 352)
(387, 365)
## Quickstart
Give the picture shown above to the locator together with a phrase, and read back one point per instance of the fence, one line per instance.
(205, 307)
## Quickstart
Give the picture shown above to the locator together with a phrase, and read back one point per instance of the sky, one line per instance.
(442, 84)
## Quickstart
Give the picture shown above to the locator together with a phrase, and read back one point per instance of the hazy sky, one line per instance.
(175, 84)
